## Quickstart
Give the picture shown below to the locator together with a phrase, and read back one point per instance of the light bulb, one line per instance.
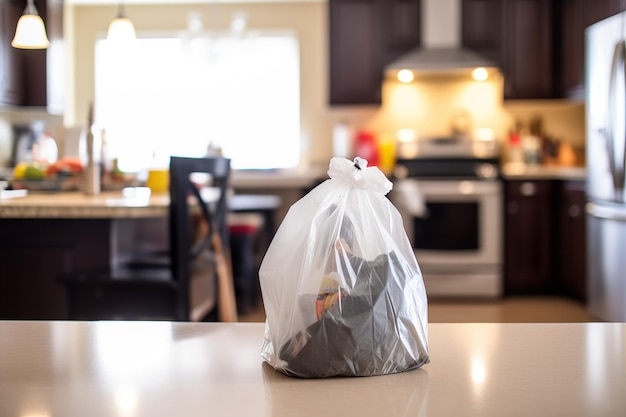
(405, 76)
(480, 74)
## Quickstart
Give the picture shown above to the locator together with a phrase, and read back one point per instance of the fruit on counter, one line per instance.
(18, 171)
(34, 172)
(69, 166)
(29, 170)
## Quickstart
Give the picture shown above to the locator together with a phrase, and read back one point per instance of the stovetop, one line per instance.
(447, 168)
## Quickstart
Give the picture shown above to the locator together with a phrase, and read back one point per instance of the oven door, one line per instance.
(460, 226)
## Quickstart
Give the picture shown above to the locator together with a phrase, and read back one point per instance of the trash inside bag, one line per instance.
(342, 290)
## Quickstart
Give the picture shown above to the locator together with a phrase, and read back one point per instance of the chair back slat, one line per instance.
(180, 223)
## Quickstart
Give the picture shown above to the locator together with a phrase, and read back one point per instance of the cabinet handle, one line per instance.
(574, 211)
(528, 189)
(512, 207)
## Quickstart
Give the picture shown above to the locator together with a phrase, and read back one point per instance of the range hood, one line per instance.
(441, 52)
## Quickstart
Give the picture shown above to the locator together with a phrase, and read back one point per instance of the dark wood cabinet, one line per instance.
(545, 237)
(32, 78)
(527, 49)
(518, 34)
(528, 266)
(365, 35)
(596, 10)
(35, 252)
(10, 68)
(539, 44)
(576, 16)
(572, 249)
(481, 27)
(572, 34)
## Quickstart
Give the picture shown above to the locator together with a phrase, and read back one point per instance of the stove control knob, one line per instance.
(487, 170)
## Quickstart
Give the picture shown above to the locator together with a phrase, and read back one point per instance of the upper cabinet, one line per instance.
(32, 78)
(528, 49)
(10, 69)
(480, 28)
(366, 35)
(576, 16)
(519, 35)
(539, 44)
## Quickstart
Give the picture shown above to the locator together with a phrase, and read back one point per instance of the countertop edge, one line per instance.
(541, 172)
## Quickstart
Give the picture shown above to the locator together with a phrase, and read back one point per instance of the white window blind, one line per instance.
(174, 96)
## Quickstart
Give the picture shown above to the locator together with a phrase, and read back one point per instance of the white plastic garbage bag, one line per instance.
(342, 290)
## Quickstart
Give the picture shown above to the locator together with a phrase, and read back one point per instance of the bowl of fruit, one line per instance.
(63, 175)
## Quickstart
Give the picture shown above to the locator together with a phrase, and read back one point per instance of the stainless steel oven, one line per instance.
(452, 212)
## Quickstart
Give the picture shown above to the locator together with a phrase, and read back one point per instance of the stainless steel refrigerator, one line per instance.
(605, 107)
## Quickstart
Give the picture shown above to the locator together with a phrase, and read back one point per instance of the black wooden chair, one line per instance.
(153, 288)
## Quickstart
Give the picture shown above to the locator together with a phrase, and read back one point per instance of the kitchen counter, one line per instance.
(68, 205)
(112, 205)
(543, 172)
(288, 185)
(278, 179)
(190, 369)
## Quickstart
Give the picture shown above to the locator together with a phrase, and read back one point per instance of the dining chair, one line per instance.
(194, 283)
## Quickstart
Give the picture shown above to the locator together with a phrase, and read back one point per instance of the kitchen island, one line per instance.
(192, 369)
(46, 235)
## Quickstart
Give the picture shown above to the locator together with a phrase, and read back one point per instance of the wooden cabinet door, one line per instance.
(575, 17)
(365, 35)
(518, 34)
(572, 249)
(481, 26)
(355, 52)
(596, 10)
(527, 52)
(529, 237)
(34, 253)
(572, 41)
(10, 65)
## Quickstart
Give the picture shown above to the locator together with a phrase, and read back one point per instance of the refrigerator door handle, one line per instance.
(617, 167)
(606, 212)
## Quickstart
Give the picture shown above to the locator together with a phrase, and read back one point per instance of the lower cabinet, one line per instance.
(34, 253)
(528, 267)
(545, 238)
(572, 248)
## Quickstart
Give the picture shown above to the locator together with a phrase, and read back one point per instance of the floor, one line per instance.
(505, 310)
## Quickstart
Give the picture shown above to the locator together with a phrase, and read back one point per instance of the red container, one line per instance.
(366, 147)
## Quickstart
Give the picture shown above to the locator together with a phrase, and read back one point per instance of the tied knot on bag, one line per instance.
(357, 174)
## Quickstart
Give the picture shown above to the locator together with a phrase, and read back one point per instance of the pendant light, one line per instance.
(30, 32)
(121, 28)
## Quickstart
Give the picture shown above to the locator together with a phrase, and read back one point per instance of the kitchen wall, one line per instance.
(426, 105)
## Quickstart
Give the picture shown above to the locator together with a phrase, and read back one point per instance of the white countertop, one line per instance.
(197, 369)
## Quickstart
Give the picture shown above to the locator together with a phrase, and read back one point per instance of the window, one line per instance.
(165, 96)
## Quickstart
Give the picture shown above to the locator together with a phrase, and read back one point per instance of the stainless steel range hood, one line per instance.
(441, 52)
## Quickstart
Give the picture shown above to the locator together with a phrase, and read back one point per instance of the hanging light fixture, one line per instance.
(30, 32)
(121, 28)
